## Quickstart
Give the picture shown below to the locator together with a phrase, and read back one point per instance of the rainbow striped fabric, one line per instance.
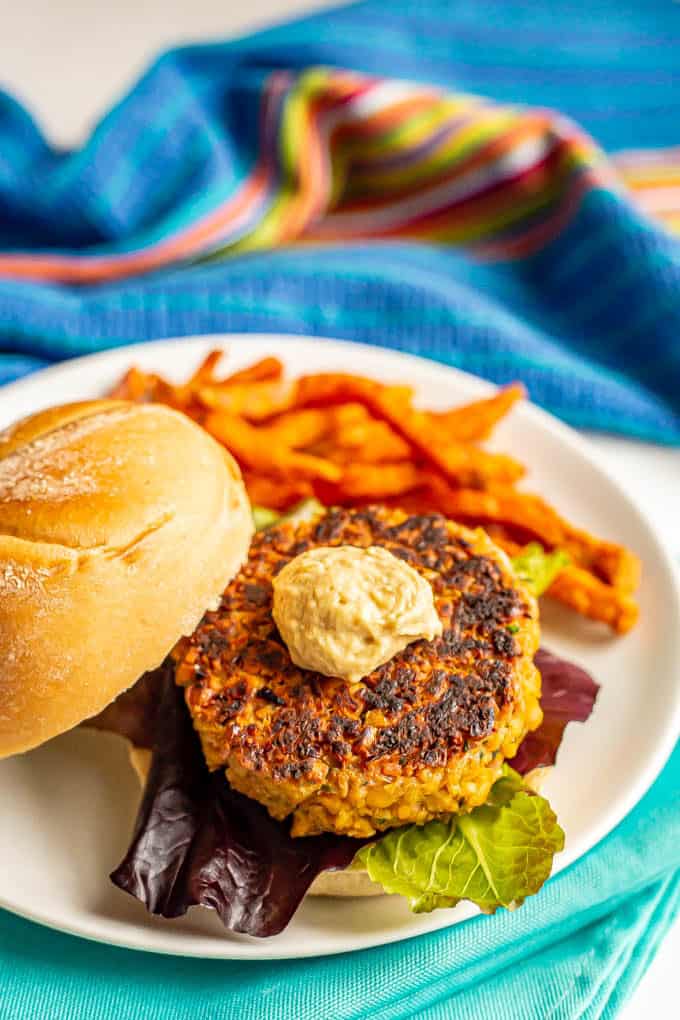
(343, 157)
(261, 185)
(653, 179)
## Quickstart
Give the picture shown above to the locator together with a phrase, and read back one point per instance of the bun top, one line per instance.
(119, 525)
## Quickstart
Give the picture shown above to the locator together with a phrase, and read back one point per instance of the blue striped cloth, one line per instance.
(589, 322)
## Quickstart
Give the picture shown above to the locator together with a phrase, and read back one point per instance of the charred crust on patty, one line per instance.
(294, 739)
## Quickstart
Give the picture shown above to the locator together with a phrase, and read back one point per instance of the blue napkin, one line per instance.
(589, 318)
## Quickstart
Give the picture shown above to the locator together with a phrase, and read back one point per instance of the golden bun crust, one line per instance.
(119, 525)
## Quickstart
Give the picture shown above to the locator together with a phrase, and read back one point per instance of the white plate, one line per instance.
(68, 807)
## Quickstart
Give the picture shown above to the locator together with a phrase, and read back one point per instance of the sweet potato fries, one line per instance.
(349, 440)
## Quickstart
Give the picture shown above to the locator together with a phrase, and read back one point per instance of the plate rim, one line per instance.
(578, 444)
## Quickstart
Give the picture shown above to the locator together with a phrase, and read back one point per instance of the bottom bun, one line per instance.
(351, 882)
(329, 883)
(140, 759)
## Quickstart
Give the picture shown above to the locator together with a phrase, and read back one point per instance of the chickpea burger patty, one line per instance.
(422, 736)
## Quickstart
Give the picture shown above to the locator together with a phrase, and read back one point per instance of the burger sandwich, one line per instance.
(345, 702)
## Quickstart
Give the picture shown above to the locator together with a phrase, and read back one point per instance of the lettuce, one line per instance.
(538, 568)
(495, 856)
(197, 841)
(568, 694)
(264, 518)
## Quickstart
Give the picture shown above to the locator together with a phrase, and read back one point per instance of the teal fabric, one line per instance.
(576, 950)
(589, 322)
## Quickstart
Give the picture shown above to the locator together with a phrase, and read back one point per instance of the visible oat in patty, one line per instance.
(422, 736)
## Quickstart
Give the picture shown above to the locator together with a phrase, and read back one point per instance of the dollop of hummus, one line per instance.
(343, 610)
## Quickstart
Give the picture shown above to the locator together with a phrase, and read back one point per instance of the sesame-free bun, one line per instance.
(119, 525)
(343, 884)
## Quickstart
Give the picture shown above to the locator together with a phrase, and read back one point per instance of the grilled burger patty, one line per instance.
(423, 735)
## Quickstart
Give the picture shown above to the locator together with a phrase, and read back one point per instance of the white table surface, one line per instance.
(69, 60)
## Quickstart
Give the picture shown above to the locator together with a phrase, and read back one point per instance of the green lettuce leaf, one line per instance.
(263, 517)
(495, 856)
(538, 568)
(304, 511)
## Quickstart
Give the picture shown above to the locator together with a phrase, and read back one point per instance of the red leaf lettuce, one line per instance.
(197, 841)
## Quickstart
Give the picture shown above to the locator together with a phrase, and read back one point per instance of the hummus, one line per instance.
(344, 610)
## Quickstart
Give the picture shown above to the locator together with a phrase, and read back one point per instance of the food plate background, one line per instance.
(68, 808)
